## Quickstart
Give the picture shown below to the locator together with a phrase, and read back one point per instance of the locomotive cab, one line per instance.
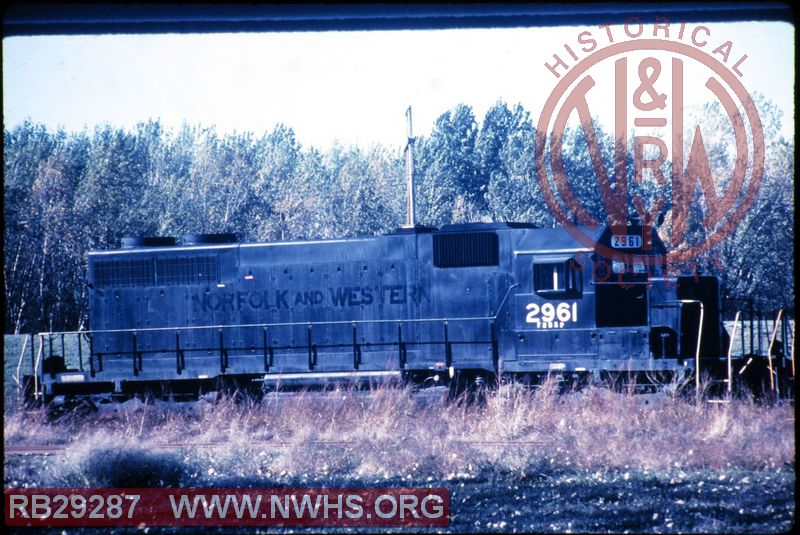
(583, 310)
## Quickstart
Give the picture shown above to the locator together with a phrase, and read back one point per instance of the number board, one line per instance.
(626, 241)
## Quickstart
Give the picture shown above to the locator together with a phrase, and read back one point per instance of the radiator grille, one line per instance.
(188, 270)
(466, 249)
(137, 272)
(160, 272)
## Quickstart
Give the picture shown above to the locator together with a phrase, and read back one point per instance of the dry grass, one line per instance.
(393, 434)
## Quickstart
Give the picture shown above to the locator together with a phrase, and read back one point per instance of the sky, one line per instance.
(343, 87)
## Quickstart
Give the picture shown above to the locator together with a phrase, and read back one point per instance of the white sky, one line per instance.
(353, 87)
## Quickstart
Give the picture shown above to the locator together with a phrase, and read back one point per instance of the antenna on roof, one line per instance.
(410, 219)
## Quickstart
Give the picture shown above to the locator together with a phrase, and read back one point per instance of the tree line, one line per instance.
(66, 193)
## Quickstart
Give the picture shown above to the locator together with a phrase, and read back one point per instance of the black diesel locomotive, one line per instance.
(459, 305)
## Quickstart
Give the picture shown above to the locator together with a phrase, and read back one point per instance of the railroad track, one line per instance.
(56, 449)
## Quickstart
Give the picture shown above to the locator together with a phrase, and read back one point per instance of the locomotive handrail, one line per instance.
(730, 351)
(772, 386)
(505, 298)
(285, 324)
(19, 364)
(697, 351)
(36, 368)
(793, 325)
(180, 364)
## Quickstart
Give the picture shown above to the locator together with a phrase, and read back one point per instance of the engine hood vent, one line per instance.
(204, 239)
(152, 241)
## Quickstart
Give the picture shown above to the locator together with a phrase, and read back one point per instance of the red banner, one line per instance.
(277, 507)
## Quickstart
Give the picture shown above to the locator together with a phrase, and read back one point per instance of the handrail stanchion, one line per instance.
(36, 368)
(135, 364)
(772, 382)
(19, 368)
(311, 358)
(760, 319)
(222, 359)
(266, 350)
(33, 354)
(178, 367)
(91, 355)
(495, 350)
(401, 359)
(697, 350)
(793, 324)
(448, 350)
(752, 319)
(743, 329)
(19, 361)
(80, 352)
(730, 352)
(356, 349)
(784, 335)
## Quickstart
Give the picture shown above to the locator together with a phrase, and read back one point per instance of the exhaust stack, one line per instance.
(410, 216)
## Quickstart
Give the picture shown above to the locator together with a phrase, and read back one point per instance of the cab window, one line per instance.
(563, 278)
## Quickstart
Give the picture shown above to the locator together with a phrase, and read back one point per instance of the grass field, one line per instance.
(588, 461)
